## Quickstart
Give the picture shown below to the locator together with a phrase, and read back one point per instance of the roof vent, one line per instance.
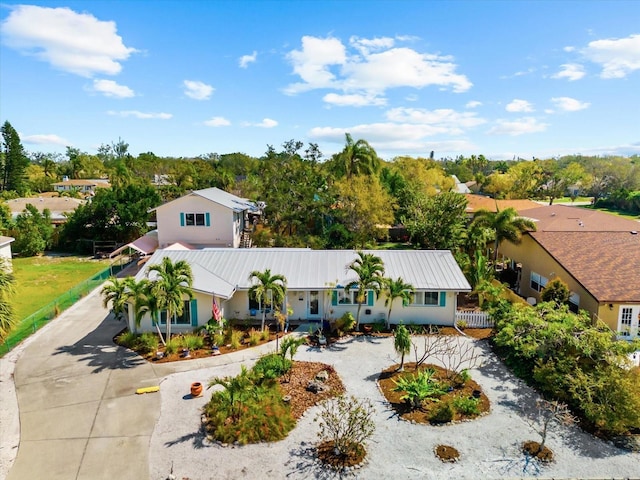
(634, 232)
(553, 214)
(581, 223)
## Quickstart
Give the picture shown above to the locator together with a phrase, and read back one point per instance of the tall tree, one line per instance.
(33, 231)
(356, 158)
(370, 271)
(394, 289)
(506, 225)
(7, 289)
(15, 161)
(115, 292)
(170, 285)
(268, 287)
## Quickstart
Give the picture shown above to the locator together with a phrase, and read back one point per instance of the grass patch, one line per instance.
(40, 280)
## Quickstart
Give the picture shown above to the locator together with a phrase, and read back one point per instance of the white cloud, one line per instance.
(570, 71)
(568, 104)
(265, 123)
(517, 127)
(518, 105)
(473, 104)
(569, 48)
(245, 60)
(109, 88)
(73, 42)
(618, 57)
(141, 115)
(353, 100)
(45, 139)
(374, 66)
(197, 90)
(217, 122)
(447, 120)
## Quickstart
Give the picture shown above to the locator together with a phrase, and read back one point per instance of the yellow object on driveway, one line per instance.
(147, 390)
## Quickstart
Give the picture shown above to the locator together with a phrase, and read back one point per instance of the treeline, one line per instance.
(342, 201)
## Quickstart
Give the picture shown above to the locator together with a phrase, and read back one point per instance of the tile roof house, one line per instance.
(82, 185)
(206, 218)
(480, 202)
(595, 253)
(59, 207)
(315, 284)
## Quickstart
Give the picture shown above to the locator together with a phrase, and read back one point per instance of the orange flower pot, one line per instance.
(196, 389)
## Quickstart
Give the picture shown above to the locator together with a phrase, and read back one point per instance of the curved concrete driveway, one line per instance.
(80, 417)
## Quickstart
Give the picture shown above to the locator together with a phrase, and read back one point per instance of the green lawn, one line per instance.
(39, 280)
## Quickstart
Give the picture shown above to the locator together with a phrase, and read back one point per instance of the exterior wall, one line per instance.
(534, 258)
(5, 253)
(201, 301)
(612, 316)
(223, 229)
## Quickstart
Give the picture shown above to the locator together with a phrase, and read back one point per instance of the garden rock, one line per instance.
(317, 387)
(322, 376)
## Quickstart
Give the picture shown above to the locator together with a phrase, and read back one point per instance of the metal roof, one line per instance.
(307, 269)
(221, 197)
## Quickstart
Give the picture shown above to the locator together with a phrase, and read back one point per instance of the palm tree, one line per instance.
(137, 293)
(370, 271)
(173, 283)
(401, 343)
(7, 288)
(393, 289)
(263, 283)
(115, 292)
(358, 158)
(506, 225)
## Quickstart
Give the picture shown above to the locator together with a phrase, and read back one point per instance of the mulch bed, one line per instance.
(423, 415)
(532, 449)
(296, 386)
(447, 453)
(327, 455)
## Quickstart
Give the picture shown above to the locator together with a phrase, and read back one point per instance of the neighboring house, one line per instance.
(460, 187)
(596, 254)
(481, 202)
(87, 187)
(315, 284)
(60, 207)
(5, 250)
(206, 218)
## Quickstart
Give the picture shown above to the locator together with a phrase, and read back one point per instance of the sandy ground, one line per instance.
(489, 446)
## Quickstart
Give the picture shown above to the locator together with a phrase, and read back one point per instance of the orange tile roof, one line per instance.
(480, 202)
(606, 263)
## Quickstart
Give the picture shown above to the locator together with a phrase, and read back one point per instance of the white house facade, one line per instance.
(5, 251)
(204, 218)
(315, 285)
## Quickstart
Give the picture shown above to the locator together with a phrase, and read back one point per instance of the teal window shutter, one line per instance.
(182, 219)
(334, 297)
(207, 219)
(193, 309)
(443, 299)
(370, 299)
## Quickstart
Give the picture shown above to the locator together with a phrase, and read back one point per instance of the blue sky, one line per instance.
(185, 78)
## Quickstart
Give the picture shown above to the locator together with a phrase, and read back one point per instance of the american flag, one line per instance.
(217, 315)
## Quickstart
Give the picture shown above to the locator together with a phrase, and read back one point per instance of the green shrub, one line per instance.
(254, 337)
(219, 339)
(127, 339)
(345, 323)
(173, 345)
(467, 405)
(419, 387)
(246, 411)
(271, 366)
(235, 338)
(264, 335)
(443, 413)
(193, 342)
(148, 342)
(378, 327)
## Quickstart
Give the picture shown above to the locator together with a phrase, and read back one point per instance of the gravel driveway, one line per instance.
(489, 446)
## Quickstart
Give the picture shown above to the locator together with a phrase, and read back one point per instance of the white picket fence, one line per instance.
(474, 319)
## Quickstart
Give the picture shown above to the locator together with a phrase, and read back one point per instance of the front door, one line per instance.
(313, 307)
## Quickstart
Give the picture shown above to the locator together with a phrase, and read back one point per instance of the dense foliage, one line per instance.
(573, 361)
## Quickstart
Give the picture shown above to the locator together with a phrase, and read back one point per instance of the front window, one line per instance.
(184, 319)
(342, 297)
(574, 302)
(195, 219)
(425, 298)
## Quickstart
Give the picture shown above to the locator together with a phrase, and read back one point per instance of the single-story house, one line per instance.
(5, 250)
(595, 253)
(85, 186)
(315, 284)
(206, 218)
(477, 202)
(60, 207)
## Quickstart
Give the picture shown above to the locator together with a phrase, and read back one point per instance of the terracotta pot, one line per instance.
(196, 389)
